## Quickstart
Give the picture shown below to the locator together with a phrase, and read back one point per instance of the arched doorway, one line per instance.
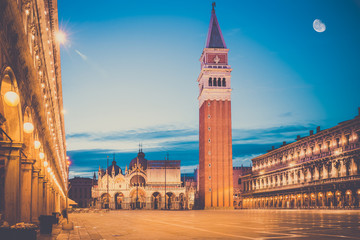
(181, 201)
(348, 198)
(292, 201)
(137, 198)
(312, 200)
(320, 199)
(156, 200)
(119, 199)
(105, 201)
(170, 200)
(329, 199)
(338, 199)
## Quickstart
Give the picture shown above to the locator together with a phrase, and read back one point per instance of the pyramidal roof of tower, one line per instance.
(215, 38)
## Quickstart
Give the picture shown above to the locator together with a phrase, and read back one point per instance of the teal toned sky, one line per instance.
(129, 73)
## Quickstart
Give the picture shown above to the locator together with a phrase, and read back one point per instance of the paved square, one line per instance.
(231, 224)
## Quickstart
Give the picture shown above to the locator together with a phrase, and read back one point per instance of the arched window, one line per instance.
(219, 82)
(239, 181)
(214, 82)
(224, 82)
(210, 82)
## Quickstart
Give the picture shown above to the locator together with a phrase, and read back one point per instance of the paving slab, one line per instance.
(210, 224)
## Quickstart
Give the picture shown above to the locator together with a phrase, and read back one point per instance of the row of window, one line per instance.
(303, 153)
(278, 180)
(217, 82)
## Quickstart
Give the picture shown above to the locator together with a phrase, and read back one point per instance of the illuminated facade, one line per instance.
(33, 169)
(215, 137)
(318, 171)
(142, 186)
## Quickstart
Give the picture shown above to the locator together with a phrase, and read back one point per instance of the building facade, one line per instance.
(215, 137)
(317, 171)
(146, 184)
(33, 169)
(238, 173)
(80, 191)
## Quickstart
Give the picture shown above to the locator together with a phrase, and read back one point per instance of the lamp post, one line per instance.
(68, 225)
(165, 177)
(107, 182)
(137, 183)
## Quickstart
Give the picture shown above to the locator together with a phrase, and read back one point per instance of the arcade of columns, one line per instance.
(33, 165)
(318, 171)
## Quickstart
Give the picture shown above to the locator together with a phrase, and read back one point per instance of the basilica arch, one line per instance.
(156, 200)
(105, 201)
(137, 198)
(119, 200)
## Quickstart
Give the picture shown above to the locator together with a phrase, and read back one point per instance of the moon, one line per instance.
(319, 26)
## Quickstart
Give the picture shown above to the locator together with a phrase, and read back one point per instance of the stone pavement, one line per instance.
(230, 224)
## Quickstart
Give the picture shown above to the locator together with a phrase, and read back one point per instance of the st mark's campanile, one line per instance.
(215, 137)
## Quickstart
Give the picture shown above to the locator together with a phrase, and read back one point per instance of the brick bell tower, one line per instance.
(215, 137)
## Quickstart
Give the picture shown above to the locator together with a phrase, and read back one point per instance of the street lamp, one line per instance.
(37, 144)
(28, 127)
(11, 98)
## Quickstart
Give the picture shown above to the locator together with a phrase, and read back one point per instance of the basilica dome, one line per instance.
(140, 159)
(116, 168)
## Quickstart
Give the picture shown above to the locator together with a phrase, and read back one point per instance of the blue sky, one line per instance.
(129, 75)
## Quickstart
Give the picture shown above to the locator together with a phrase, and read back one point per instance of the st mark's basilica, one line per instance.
(146, 184)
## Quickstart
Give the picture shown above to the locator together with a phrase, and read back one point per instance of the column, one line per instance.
(57, 202)
(25, 190)
(12, 186)
(35, 195)
(46, 197)
(52, 200)
(41, 194)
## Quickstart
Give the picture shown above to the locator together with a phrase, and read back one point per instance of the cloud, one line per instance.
(270, 135)
(139, 134)
(287, 114)
(83, 56)
(188, 169)
(233, 31)
(180, 143)
(78, 135)
(244, 160)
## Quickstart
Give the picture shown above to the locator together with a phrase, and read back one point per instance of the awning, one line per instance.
(72, 202)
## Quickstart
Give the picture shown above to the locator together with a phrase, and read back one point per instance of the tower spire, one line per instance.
(215, 38)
